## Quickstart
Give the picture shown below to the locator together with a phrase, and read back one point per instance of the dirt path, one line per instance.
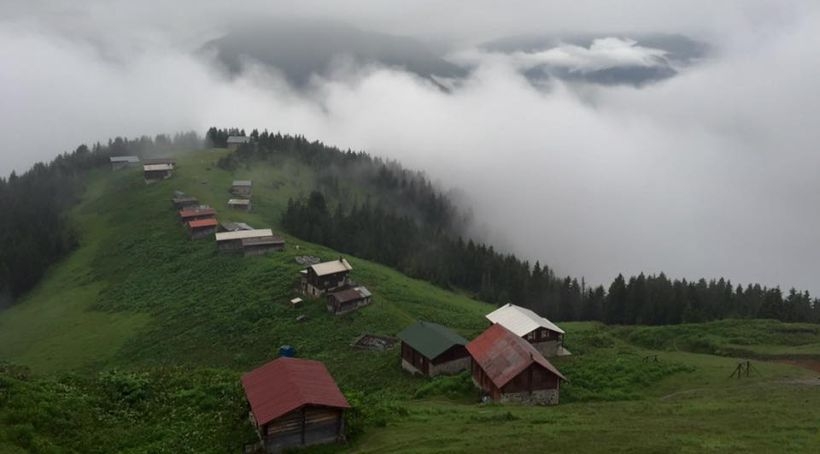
(811, 364)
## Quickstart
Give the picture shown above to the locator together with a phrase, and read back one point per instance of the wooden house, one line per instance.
(347, 300)
(507, 368)
(240, 204)
(431, 349)
(201, 228)
(235, 141)
(249, 242)
(294, 403)
(121, 162)
(157, 172)
(325, 277)
(167, 161)
(242, 188)
(546, 336)
(262, 245)
(196, 213)
(184, 201)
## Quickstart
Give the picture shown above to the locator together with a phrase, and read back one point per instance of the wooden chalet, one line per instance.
(121, 162)
(235, 141)
(431, 349)
(544, 335)
(240, 204)
(157, 172)
(249, 242)
(184, 201)
(201, 228)
(167, 161)
(294, 403)
(509, 369)
(348, 300)
(242, 188)
(325, 277)
(196, 213)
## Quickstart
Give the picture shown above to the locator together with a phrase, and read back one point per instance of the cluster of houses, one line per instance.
(231, 237)
(153, 170)
(295, 402)
(332, 280)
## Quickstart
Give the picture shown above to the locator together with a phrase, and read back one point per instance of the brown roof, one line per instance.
(346, 296)
(287, 384)
(200, 223)
(262, 241)
(191, 213)
(503, 355)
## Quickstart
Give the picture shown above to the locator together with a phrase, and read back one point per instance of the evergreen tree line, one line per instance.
(35, 230)
(377, 233)
(343, 175)
(413, 227)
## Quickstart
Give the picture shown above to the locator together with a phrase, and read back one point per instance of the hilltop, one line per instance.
(135, 342)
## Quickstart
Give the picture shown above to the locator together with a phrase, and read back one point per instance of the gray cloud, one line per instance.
(711, 172)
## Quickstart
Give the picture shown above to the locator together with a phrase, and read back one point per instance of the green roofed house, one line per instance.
(431, 349)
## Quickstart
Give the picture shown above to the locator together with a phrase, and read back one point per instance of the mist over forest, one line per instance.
(609, 139)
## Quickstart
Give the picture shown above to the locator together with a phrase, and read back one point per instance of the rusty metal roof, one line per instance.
(503, 355)
(200, 223)
(287, 384)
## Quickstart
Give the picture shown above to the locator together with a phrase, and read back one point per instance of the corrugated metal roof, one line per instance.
(347, 295)
(200, 223)
(262, 240)
(234, 226)
(192, 212)
(503, 355)
(430, 339)
(287, 384)
(239, 202)
(520, 320)
(335, 266)
(238, 139)
(242, 183)
(157, 167)
(243, 234)
(124, 159)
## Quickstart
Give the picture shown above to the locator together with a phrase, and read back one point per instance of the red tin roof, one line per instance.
(286, 384)
(189, 213)
(503, 355)
(201, 223)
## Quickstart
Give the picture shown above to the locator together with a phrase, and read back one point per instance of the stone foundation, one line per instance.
(541, 397)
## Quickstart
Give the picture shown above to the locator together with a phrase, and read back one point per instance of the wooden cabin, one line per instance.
(235, 141)
(196, 213)
(157, 172)
(240, 204)
(325, 277)
(431, 349)
(184, 201)
(242, 188)
(121, 162)
(202, 228)
(167, 161)
(249, 242)
(348, 300)
(507, 368)
(294, 403)
(544, 335)
(262, 245)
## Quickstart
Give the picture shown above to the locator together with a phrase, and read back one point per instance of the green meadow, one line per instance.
(136, 342)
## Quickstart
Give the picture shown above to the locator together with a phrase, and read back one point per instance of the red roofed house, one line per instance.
(294, 402)
(192, 214)
(510, 369)
(202, 228)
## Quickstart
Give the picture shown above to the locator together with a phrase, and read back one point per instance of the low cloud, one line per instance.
(707, 173)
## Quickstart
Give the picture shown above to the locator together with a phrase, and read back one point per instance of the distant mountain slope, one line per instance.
(301, 49)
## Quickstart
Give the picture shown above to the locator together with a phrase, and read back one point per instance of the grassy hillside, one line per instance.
(136, 342)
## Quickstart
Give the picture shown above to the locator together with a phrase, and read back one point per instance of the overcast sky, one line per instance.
(712, 172)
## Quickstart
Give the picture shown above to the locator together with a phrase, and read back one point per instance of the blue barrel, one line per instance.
(287, 351)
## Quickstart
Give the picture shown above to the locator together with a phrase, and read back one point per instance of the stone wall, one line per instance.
(541, 397)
